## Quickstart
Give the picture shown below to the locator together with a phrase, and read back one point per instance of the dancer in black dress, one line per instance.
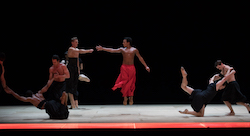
(200, 98)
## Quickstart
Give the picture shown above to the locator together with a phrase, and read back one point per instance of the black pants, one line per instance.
(56, 110)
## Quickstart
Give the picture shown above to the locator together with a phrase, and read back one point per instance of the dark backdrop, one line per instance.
(168, 34)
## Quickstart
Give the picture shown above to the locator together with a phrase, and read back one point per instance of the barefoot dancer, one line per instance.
(127, 77)
(232, 93)
(56, 110)
(74, 70)
(201, 98)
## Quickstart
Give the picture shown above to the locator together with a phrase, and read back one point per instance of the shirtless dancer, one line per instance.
(232, 92)
(59, 72)
(127, 76)
(73, 66)
(201, 98)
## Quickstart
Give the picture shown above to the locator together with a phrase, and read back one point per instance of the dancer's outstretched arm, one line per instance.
(21, 98)
(46, 87)
(111, 50)
(2, 78)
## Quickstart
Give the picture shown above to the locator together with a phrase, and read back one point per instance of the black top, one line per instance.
(210, 92)
(202, 97)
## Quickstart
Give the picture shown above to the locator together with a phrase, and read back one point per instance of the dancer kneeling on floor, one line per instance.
(201, 98)
(56, 110)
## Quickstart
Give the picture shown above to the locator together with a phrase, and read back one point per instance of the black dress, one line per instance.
(199, 97)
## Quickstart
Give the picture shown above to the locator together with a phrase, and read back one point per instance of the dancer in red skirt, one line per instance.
(127, 77)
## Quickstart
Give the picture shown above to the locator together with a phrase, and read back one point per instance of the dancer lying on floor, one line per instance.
(56, 110)
(201, 98)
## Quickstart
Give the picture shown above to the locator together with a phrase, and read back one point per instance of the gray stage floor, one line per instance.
(124, 114)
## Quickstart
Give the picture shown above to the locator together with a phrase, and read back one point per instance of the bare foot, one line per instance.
(125, 101)
(230, 114)
(184, 112)
(63, 98)
(131, 102)
(247, 106)
(183, 72)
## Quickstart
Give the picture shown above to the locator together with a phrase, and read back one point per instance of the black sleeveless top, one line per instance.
(210, 92)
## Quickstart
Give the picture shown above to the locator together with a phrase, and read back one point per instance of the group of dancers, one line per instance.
(63, 80)
(225, 81)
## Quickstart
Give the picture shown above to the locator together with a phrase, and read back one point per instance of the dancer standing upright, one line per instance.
(127, 77)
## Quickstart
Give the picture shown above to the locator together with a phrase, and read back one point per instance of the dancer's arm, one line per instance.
(142, 60)
(111, 50)
(83, 51)
(214, 78)
(5, 87)
(21, 98)
(46, 87)
(224, 79)
(80, 51)
(2, 78)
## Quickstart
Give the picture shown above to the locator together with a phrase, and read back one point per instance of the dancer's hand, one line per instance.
(56, 75)
(99, 48)
(91, 50)
(148, 69)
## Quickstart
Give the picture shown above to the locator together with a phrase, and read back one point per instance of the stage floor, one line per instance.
(120, 116)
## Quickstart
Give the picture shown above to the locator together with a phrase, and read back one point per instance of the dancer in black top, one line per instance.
(201, 98)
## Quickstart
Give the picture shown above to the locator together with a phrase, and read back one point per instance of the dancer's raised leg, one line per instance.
(184, 83)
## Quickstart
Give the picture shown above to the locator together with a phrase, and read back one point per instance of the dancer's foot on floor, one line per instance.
(125, 101)
(131, 102)
(184, 112)
(230, 114)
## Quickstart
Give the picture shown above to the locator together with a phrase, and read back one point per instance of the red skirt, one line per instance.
(126, 80)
